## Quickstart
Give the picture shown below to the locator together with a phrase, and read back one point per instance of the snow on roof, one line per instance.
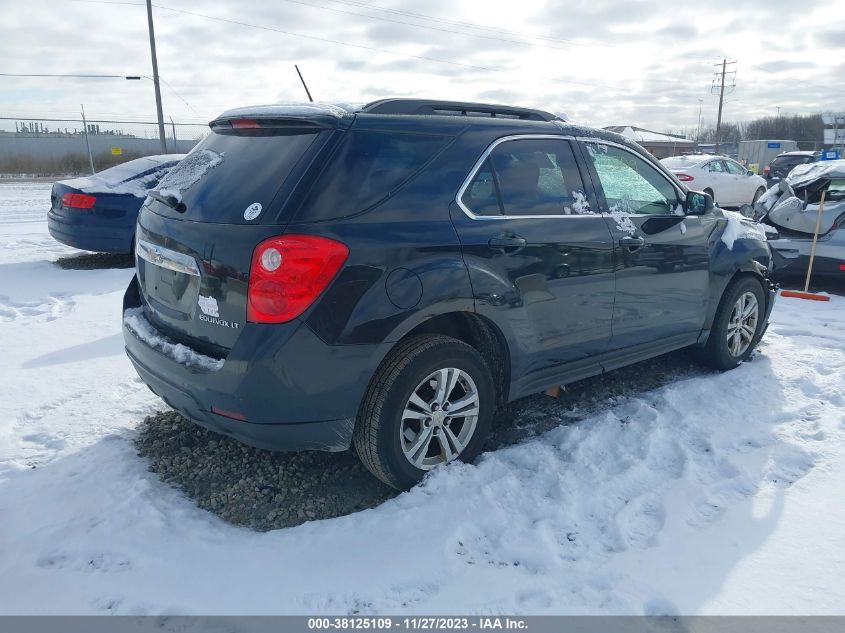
(337, 110)
(641, 135)
(803, 175)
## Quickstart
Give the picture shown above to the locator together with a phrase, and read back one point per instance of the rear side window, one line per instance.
(366, 169)
(229, 172)
(527, 177)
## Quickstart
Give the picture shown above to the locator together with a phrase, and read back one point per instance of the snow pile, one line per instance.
(768, 199)
(740, 228)
(136, 321)
(336, 110)
(717, 494)
(188, 172)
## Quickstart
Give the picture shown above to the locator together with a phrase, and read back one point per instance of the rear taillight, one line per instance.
(78, 200)
(684, 177)
(766, 169)
(288, 273)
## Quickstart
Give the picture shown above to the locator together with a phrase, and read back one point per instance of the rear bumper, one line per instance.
(89, 234)
(294, 391)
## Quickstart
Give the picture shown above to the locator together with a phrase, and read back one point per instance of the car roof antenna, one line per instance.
(304, 85)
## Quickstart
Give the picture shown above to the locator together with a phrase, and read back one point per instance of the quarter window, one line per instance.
(630, 184)
(528, 177)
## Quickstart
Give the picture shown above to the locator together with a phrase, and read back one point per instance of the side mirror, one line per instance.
(748, 172)
(698, 203)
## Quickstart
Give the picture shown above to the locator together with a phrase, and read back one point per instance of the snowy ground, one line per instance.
(718, 494)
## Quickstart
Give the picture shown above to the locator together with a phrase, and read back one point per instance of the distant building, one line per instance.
(660, 145)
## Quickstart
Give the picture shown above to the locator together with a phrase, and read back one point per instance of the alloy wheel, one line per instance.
(743, 324)
(439, 418)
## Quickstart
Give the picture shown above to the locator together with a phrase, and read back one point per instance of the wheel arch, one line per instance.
(476, 331)
(750, 268)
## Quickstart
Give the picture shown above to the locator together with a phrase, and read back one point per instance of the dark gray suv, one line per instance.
(318, 277)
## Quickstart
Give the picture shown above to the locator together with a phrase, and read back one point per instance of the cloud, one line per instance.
(642, 62)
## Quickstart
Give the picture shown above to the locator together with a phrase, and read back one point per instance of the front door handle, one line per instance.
(631, 242)
(507, 243)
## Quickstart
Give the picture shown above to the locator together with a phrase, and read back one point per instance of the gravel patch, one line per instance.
(96, 261)
(264, 490)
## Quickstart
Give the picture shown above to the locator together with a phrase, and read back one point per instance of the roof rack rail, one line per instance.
(454, 108)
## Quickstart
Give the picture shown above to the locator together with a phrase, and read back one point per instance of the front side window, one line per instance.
(630, 184)
(735, 168)
(528, 177)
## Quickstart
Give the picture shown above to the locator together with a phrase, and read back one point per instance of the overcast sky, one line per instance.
(603, 62)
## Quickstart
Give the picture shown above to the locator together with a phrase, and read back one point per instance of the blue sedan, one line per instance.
(98, 213)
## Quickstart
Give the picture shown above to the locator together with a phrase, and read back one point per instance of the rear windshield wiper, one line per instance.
(171, 201)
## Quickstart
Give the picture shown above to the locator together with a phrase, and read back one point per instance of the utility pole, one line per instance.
(87, 143)
(721, 86)
(155, 77)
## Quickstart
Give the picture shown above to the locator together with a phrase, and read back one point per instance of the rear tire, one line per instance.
(738, 325)
(405, 427)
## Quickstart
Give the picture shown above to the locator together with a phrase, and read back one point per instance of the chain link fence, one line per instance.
(66, 147)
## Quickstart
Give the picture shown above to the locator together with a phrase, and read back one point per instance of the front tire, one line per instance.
(710, 193)
(738, 325)
(430, 402)
(760, 191)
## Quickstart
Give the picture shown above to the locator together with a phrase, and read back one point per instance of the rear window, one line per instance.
(366, 169)
(133, 169)
(230, 172)
(785, 164)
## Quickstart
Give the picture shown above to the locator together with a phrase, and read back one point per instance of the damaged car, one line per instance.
(318, 277)
(790, 210)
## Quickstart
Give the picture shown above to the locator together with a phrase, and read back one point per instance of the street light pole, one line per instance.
(155, 77)
(698, 132)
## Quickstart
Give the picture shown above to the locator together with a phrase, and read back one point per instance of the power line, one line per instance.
(570, 42)
(71, 75)
(493, 69)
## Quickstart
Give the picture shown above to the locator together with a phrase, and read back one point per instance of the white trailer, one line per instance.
(755, 155)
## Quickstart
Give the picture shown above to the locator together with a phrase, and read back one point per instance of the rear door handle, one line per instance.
(507, 243)
(631, 242)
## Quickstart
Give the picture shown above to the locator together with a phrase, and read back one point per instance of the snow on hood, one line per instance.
(187, 173)
(803, 175)
(337, 110)
(740, 228)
